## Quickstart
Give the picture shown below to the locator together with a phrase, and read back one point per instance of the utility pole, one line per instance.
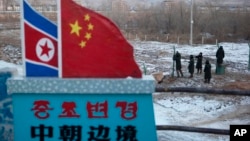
(191, 24)
(249, 57)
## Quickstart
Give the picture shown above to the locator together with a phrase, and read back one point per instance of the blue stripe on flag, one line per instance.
(39, 21)
(38, 70)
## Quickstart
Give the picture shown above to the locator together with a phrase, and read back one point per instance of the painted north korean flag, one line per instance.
(39, 43)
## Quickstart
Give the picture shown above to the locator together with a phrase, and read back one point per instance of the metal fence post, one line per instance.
(173, 62)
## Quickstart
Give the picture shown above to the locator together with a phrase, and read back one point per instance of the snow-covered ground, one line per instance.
(197, 110)
(191, 109)
(157, 56)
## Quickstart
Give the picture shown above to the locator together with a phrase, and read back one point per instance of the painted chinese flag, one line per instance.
(93, 46)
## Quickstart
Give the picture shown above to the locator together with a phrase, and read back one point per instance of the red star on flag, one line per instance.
(45, 49)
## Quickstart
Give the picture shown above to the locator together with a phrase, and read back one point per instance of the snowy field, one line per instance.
(190, 109)
(197, 110)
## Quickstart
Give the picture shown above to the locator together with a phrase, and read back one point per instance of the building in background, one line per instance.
(1, 6)
(9, 5)
(127, 5)
(78, 2)
(119, 5)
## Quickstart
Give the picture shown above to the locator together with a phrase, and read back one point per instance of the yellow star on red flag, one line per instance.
(82, 44)
(90, 26)
(88, 36)
(86, 17)
(75, 28)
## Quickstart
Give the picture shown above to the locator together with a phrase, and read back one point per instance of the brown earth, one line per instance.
(10, 37)
(238, 85)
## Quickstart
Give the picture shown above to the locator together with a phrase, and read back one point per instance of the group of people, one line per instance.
(191, 65)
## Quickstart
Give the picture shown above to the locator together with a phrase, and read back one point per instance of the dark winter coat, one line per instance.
(220, 55)
(207, 70)
(199, 61)
(191, 65)
(177, 58)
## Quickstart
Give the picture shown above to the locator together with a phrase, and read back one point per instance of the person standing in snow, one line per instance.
(220, 55)
(207, 71)
(191, 66)
(199, 63)
(177, 58)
